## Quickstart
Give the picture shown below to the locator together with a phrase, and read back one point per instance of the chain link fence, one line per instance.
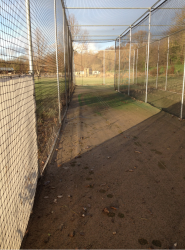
(150, 58)
(36, 85)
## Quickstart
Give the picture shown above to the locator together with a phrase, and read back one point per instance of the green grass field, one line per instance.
(88, 81)
(46, 92)
(47, 112)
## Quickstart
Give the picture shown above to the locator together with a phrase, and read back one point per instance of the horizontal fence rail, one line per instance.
(36, 85)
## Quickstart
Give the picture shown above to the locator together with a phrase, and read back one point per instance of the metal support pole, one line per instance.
(56, 48)
(115, 68)
(72, 56)
(167, 63)
(30, 50)
(136, 65)
(119, 64)
(130, 59)
(64, 40)
(68, 63)
(73, 71)
(104, 69)
(157, 66)
(145, 65)
(182, 100)
(82, 68)
(148, 57)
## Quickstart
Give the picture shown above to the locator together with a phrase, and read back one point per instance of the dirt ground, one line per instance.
(116, 181)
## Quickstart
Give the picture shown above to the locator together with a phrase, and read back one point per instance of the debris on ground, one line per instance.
(71, 234)
(156, 243)
(113, 208)
(105, 210)
(121, 215)
(142, 241)
(110, 195)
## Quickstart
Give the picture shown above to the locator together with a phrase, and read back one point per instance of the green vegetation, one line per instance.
(89, 81)
(47, 111)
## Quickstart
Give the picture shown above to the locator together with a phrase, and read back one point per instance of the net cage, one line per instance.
(36, 85)
(39, 68)
(155, 49)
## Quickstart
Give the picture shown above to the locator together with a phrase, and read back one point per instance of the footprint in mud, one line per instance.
(110, 195)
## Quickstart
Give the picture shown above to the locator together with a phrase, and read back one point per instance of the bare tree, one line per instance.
(140, 38)
(78, 34)
(39, 49)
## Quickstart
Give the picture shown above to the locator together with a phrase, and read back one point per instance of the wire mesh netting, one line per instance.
(156, 62)
(94, 67)
(38, 69)
(36, 83)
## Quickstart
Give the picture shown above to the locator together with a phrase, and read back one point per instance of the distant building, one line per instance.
(6, 70)
(79, 73)
(96, 72)
(87, 72)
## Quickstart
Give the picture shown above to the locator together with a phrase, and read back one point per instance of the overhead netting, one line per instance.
(103, 21)
(36, 83)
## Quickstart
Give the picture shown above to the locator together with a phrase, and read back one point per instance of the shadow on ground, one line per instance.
(117, 180)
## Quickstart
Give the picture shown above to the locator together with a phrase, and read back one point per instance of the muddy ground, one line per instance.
(117, 179)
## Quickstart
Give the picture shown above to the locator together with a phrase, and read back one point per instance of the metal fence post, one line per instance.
(145, 65)
(64, 40)
(119, 65)
(68, 62)
(130, 59)
(148, 56)
(82, 67)
(73, 71)
(115, 67)
(56, 48)
(136, 64)
(30, 48)
(104, 68)
(167, 63)
(182, 100)
(157, 66)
